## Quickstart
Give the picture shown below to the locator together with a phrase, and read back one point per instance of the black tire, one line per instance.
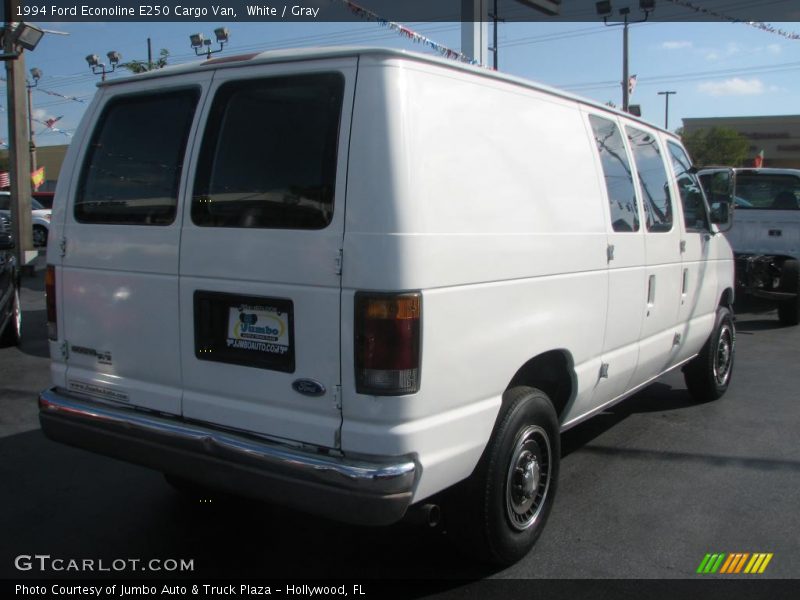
(709, 374)
(500, 511)
(789, 310)
(12, 334)
(39, 236)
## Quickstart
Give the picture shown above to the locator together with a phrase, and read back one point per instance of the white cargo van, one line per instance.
(348, 280)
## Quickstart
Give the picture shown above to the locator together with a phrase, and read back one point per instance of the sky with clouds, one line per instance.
(716, 69)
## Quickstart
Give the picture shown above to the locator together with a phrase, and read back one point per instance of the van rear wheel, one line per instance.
(500, 511)
(789, 310)
(708, 375)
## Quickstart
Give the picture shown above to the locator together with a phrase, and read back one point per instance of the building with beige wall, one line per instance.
(777, 136)
(51, 158)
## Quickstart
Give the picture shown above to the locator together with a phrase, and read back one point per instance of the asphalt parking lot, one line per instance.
(647, 488)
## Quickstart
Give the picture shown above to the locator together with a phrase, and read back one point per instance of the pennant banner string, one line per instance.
(757, 24)
(368, 15)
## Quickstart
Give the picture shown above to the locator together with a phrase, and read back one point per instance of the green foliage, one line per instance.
(717, 146)
(141, 66)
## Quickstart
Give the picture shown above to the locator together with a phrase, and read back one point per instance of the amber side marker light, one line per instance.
(387, 343)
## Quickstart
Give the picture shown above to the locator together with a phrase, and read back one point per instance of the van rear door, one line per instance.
(120, 242)
(260, 251)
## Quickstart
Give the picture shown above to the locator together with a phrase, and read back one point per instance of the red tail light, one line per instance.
(387, 343)
(50, 299)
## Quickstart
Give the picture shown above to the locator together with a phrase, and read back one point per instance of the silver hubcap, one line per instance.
(724, 355)
(528, 477)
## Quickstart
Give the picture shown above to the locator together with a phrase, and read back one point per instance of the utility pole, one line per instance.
(604, 10)
(149, 55)
(495, 49)
(18, 143)
(666, 107)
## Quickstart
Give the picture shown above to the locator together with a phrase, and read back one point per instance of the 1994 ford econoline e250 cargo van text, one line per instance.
(350, 280)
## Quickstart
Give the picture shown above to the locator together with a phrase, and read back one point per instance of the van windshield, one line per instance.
(767, 191)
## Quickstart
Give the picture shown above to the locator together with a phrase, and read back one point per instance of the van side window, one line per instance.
(617, 172)
(695, 216)
(653, 180)
(133, 166)
(269, 154)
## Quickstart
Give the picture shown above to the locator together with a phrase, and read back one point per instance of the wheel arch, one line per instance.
(553, 373)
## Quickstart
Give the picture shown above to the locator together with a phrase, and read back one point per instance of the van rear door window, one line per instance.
(269, 154)
(617, 171)
(133, 167)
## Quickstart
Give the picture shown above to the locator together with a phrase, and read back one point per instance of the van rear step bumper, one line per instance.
(362, 491)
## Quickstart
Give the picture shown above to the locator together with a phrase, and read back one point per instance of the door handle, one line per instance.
(651, 290)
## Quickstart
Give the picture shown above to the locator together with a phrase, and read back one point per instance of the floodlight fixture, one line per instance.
(222, 34)
(603, 8)
(202, 45)
(28, 36)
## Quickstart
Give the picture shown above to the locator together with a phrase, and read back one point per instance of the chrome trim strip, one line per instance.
(371, 475)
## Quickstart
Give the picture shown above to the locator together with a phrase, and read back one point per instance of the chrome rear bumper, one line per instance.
(362, 490)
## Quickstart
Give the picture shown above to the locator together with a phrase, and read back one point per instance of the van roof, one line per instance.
(298, 54)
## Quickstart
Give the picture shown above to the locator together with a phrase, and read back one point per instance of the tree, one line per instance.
(141, 66)
(717, 146)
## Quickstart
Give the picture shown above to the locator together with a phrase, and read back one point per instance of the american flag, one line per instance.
(52, 121)
(4, 180)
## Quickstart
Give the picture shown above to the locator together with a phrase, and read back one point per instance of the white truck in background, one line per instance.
(766, 236)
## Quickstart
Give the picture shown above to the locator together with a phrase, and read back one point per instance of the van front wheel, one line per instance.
(708, 375)
(500, 511)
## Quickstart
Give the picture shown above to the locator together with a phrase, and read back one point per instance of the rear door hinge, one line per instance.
(339, 261)
(610, 252)
(603, 370)
(337, 396)
(62, 247)
(64, 350)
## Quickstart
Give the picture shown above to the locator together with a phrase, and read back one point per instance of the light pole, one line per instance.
(36, 74)
(18, 37)
(666, 107)
(99, 68)
(202, 45)
(604, 10)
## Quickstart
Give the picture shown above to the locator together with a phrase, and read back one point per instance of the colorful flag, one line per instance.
(758, 161)
(5, 181)
(37, 177)
(52, 121)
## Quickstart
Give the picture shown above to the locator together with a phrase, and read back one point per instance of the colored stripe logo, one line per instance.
(735, 563)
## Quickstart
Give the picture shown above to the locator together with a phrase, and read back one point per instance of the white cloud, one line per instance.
(676, 45)
(733, 87)
(774, 49)
(39, 113)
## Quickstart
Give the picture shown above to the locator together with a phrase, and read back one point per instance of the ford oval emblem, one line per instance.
(308, 387)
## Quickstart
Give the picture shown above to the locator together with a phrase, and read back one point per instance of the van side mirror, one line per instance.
(719, 186)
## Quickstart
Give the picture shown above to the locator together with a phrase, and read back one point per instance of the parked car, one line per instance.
(10, 311)
(40, 218)
(44, 198)
(512, 260)
(766, 236)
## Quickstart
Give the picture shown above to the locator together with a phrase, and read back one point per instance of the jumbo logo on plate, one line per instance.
(260, 328)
